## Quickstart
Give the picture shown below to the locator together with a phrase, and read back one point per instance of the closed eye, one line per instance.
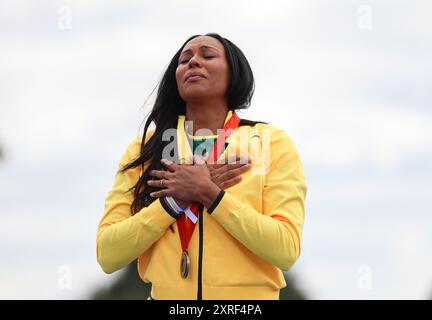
(206, 57)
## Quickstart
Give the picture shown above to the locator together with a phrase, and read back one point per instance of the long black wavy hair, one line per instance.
(169, 105)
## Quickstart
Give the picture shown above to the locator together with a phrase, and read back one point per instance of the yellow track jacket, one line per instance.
(238, 250)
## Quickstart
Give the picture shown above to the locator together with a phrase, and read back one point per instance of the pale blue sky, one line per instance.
(349, 81)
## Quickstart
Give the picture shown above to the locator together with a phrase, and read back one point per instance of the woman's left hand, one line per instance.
(189, 183)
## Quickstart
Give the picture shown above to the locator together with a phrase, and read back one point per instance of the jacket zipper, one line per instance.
(201, 238)
(200, 254)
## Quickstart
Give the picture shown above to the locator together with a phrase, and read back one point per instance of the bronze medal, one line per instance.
(184, 265)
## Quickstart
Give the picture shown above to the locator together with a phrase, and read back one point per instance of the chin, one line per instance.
(195, 94)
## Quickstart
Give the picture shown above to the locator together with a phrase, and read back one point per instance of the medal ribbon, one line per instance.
(186, 226)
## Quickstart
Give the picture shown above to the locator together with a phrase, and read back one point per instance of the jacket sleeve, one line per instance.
(274, 234)
(121, 236)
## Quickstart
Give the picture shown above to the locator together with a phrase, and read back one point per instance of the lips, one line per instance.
(194, 76)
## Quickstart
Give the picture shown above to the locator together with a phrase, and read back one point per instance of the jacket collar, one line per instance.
(184, 150)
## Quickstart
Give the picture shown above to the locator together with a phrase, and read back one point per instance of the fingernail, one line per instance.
(165, 161)
(152, 194)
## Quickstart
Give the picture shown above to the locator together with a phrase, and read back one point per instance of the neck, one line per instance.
(207, 117)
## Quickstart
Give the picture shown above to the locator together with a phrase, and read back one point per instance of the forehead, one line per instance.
(197, 42)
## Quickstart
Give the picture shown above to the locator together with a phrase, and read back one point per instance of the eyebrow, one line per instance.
(203, 46)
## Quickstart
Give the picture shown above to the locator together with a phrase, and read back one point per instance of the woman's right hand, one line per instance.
(228, 174)
(223, 175)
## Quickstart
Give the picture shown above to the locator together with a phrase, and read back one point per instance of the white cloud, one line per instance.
(389, 249)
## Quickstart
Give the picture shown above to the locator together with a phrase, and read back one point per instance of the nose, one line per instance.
(193, 61)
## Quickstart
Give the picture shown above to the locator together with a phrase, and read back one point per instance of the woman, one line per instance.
(243, 187)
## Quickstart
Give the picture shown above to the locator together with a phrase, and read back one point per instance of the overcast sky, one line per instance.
(349, 81)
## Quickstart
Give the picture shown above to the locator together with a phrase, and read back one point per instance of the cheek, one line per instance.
(179, 75)
(222, 72)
